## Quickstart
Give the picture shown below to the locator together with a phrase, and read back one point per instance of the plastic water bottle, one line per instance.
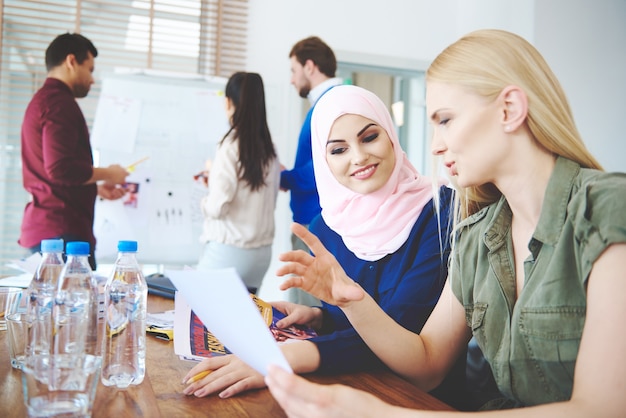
(125, 301)
(75, 314)
(40, 297)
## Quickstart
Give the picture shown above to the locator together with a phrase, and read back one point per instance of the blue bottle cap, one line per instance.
(52, 246)
(127, 246)
(77, 248)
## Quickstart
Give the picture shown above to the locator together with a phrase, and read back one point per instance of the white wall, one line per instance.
(583, 40)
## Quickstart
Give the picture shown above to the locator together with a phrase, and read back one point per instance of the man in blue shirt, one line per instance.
(313, 67)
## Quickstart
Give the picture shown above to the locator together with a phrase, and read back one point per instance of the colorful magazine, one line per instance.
(193, 341)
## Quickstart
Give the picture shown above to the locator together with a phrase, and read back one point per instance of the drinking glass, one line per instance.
(10, 300)
(17, 334)
(61, 385)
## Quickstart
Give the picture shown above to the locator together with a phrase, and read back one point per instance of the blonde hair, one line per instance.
(485, 62)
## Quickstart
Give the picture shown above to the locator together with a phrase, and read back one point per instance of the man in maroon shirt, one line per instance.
(57, 162)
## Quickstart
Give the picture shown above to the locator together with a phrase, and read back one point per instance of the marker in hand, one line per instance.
(200, 175)
(130, 168)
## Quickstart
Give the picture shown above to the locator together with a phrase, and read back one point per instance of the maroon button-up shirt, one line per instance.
(56, 162)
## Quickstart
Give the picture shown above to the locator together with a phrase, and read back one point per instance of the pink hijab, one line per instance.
(375, 224)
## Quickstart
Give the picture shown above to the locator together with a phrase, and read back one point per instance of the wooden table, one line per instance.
(160, 394)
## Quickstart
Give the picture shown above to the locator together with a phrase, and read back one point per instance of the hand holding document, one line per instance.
(223, 304)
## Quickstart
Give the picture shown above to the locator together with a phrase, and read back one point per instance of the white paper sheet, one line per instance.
(22, 280)
(27, 265)
(223, 304)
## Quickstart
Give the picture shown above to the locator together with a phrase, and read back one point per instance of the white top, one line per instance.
(233, 213)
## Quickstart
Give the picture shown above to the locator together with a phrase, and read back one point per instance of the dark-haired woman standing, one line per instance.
(243, 183)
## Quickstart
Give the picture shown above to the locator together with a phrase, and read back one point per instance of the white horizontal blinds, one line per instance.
(27, 28)
(230, 39)
(192, 36)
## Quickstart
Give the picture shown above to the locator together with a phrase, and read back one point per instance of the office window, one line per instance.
(191, 36)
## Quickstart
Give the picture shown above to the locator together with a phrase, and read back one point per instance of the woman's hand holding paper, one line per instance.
(296, 314)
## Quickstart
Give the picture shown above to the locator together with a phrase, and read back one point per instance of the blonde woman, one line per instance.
(538, 268)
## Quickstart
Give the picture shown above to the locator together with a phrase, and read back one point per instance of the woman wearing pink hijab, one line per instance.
(380, 220)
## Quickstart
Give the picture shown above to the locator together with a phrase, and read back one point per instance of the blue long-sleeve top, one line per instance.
(300, 180)
(405, 284)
